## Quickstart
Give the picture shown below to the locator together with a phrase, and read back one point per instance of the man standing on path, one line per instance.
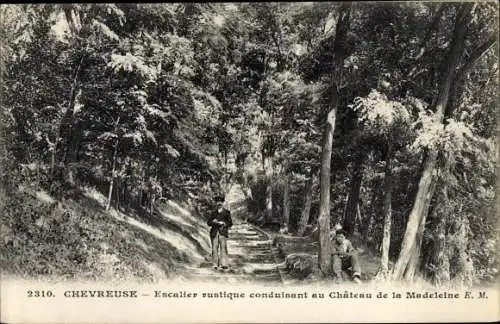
(220, 222)
(344, 257)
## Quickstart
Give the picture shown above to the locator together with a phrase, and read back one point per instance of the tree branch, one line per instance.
(477, 54)
(469, 63)
(434, 26)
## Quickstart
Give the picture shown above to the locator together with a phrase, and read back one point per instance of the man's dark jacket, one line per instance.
(225, 216)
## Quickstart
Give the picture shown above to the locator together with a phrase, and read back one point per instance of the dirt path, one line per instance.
(250, 259)
(249, 249)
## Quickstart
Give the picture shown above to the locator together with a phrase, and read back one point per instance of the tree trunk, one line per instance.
(387, 212)
(324, 257)
(269, 189)
(450, 256)
(324, 209)
(366, 228)
(418, 212)
(74, 137)
(113, 171)
(66, 132)
(113, 165)
(410, 249)
(5, 162)
(359, 219)
(286, 204)
(441, 258)
(465, 269)
(345, 209)
(440, 253)
(153, 192)
(415, 262)
(152, 203)
(127, 197)
(245, 187)
(352, 203)
(72, 147)
(53, 160)
(304, 216)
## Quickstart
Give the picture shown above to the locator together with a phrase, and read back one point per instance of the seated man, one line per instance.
(344, 257)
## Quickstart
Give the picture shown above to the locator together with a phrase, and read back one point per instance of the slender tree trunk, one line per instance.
(53, 160)
(417, 214)
(324, 211)
(366, 228)
(387, 212)
(125, 199)
(4, 156)
(153, 193)
(113, 165)
(119, 195)
(306, 211)
(324, 257)
(359, 219)
(247, 191)
(128, 195)
(445, 259)
(66, 131)
(73, 144)
(345, 208)
(408, 260)
(465, 267)
(113, 171)
(352, 203)
(441, 254)
(286, 204)
(269, 189)
(415, 261)
(440, 250)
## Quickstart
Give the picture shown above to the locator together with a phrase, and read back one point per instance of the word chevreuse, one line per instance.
(100, 293)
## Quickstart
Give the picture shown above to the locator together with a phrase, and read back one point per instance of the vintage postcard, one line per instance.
(249, 162)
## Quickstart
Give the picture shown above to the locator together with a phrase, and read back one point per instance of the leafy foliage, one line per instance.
(147, 102)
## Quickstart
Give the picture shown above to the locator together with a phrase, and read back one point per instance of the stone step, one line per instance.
(271, 276)
(250, 259)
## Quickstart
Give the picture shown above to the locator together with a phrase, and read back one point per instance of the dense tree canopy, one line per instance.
(153, 101)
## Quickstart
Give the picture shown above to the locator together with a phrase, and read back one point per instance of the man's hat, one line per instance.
(341, 231)
(219, 199)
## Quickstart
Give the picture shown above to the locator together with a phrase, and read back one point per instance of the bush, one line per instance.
(40, 238)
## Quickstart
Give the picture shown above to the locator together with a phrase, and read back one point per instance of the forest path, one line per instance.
(250, 256)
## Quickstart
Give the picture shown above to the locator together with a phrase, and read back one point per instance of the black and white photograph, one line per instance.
(341, 145)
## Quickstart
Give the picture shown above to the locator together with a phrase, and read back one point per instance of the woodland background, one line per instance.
(379, 117)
